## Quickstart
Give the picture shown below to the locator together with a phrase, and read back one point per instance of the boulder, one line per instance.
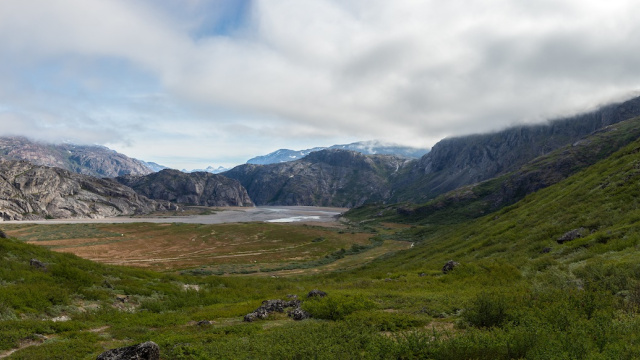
(298, 314)
(316, 293)
(35, 263)
(572, 235)
(450, 265)
(3, 235)
(145, 351)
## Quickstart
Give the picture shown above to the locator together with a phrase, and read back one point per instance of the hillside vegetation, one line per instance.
(553, 276)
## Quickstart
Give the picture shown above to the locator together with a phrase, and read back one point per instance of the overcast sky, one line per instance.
(192, 83)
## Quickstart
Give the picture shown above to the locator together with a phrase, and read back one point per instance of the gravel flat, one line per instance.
(276, 214)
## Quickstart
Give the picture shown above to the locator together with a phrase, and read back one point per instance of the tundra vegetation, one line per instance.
(554, 276)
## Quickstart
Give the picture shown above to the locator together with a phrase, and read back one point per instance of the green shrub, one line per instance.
(487, 310)
(337, 307)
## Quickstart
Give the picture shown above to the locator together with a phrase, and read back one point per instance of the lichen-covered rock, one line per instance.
(270, 306)
(298, 314)
(145, 351)
(450, 265)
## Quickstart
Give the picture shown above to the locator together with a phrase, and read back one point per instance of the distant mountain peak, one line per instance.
(370, 147)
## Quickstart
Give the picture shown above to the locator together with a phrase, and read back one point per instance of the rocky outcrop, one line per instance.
(338, 178)
(97, 161)
(145, 351)
(460, 161)
(270, 306)
(29, 191)
(199, 188)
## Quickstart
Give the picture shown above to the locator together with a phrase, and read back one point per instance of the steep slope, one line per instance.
(324, 178)
(460, 161)
(30, 191)
(475, 200)
(199, 188)
(96, 161)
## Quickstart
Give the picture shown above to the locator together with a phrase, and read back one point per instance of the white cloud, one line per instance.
(403, 71)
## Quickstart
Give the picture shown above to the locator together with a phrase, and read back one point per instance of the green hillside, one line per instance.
(517, 293)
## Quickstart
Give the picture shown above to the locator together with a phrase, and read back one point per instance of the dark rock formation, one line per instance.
(30, 191)
(198, 188)
(204, 323)
(455, 162)
(449, 266)
(545, 250)
(96, 161)
(145, 351)
(316, 293)
(572, 235)
(35, 263)
(338, 178)
(270, 306)
(3, 235)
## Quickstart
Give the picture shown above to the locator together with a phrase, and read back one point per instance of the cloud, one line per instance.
(283, 72)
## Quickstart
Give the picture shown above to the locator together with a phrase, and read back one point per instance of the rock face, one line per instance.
(96, 161)
(482, 198)
(199, 188)
(145, 351)
(460, 161)
(30, 191)
(338, 178)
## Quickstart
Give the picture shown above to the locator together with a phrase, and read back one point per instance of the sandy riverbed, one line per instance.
(280, 214)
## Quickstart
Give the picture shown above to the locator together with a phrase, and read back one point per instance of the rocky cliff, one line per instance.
(29, 191)
(199, 188)
(324, 178)
(460, 161)
(97, 161)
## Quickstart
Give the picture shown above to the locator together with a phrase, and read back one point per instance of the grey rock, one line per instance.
(316, 293)
(32, 192)
(198, 188)
(204, 323)
(545, 250)
(450, 265)
(298, 314)
(572, 235)
(3, 235)
(270, 306)
(145, 351)
(35, 263)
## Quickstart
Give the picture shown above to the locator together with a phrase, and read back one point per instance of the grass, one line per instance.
(508, 299)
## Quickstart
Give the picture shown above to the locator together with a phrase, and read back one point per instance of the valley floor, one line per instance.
(218, 215)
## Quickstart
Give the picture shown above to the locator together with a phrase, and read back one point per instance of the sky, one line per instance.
(196, 83)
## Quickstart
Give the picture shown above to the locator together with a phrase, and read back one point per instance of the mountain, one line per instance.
(198, 188)
(364, 147)
(339, 178)
(155, 167)
(473, 201)
(209, 169)
(460, 161)
(29, 191)
(96, 161)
